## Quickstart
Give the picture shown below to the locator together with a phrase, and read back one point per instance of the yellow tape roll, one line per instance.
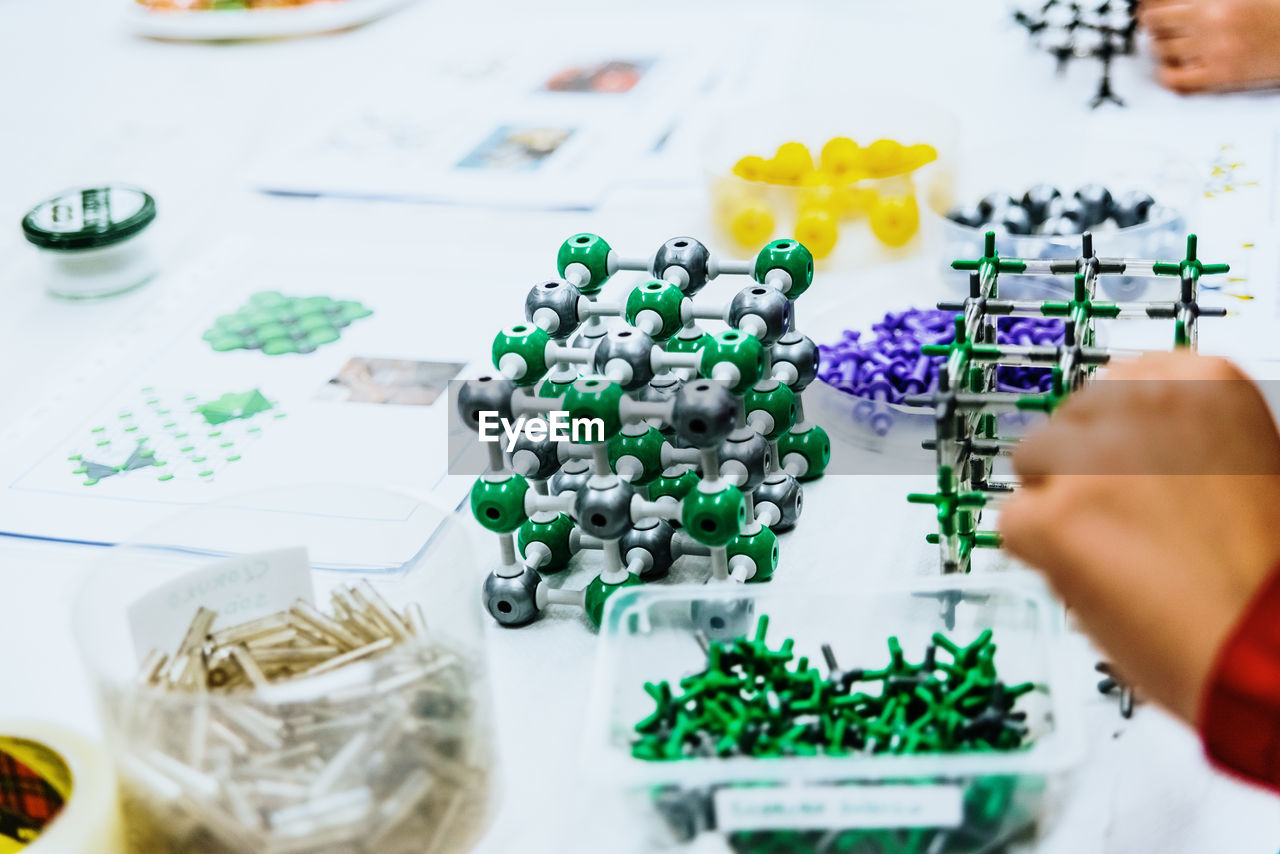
(57, 792)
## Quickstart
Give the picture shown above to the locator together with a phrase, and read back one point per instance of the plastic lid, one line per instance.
(89, 218)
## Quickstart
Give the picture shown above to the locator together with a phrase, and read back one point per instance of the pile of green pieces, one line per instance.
(753, 700)
(277, 324)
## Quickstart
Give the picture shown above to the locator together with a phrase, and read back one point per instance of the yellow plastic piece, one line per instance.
(751, 168)
(883, 157)
(752, 224)
(918, 155)
(894, 221)
(816, 229)
(791, 165)
(841, 159)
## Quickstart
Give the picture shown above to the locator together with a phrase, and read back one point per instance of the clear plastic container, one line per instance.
(736, 132)
(391, 749)
(1162, 236)
(936, 803)
(1018, 163)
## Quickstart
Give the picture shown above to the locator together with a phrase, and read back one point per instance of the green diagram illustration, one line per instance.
(180, 438)
(277, 324)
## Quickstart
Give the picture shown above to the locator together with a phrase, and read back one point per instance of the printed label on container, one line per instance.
(239, 589)
(838, 807)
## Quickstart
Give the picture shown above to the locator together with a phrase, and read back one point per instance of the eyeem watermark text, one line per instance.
(557, 426)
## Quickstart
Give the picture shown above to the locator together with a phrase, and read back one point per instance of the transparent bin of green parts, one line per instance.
(922, 803)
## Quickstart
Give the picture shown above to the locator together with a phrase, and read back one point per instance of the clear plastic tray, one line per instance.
(959, 802)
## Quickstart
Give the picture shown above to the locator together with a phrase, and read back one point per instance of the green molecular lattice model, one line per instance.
(968, 410)
(277, 324)
(172, 438)
(702, 441)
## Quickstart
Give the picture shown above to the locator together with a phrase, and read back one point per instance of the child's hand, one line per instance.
(1151, 500)
(1203, 45)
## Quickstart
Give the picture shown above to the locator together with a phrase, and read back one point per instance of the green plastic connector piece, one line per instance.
(812, 445)
(777, 401)
(498, 502)
(553, 533)
(761, 548)
(743, 352)
(664, 299)
(520, 352)
(791, 257)
(714, 518)
(592, 252)
(645, 448)
(594, 397)
(598, 592)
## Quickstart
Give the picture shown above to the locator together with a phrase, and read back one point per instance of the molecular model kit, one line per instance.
(966, 402)
(701, 439)
(1069, 29)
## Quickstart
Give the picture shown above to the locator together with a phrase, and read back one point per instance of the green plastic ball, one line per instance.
(812, 444)
(594, 397)
(663, 298)
(692, 344)
(645, 447)
(499, 504)
(554, 388)
(598, 592)
(776, 400)
(529, 342)
(675, 486)
(761, 548)
(736, 348)
(592, 252)
(552, 533)
(790, 256)
(714, 518)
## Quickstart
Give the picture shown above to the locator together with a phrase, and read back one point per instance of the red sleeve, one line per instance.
(1240, 711)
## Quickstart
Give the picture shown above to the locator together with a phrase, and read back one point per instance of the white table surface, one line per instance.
(86, 102)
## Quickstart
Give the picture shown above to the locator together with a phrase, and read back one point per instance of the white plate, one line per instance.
(319, 17)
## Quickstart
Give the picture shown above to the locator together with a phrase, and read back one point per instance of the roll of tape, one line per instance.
(57, 792)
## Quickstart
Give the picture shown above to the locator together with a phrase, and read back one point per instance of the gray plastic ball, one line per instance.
(1095, 199)
(534, 459)
(783, 491)
(765, 302)
(1037, 199)
(1016, 220)
(704, 413)
(489, 393)
(967, 215)
(604, 511)
(631, 346)
(1071, 208)
(800, 351)
(1132, 208)
(993, 202)
(751, 451)
(688, 254)
(722, 619)
(560, 301)
(572, 477)
(1059, 226)
(651, 535)
(512, 601)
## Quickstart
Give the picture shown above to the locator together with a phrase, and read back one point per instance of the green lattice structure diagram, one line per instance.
(277, 324)
(168, 438)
